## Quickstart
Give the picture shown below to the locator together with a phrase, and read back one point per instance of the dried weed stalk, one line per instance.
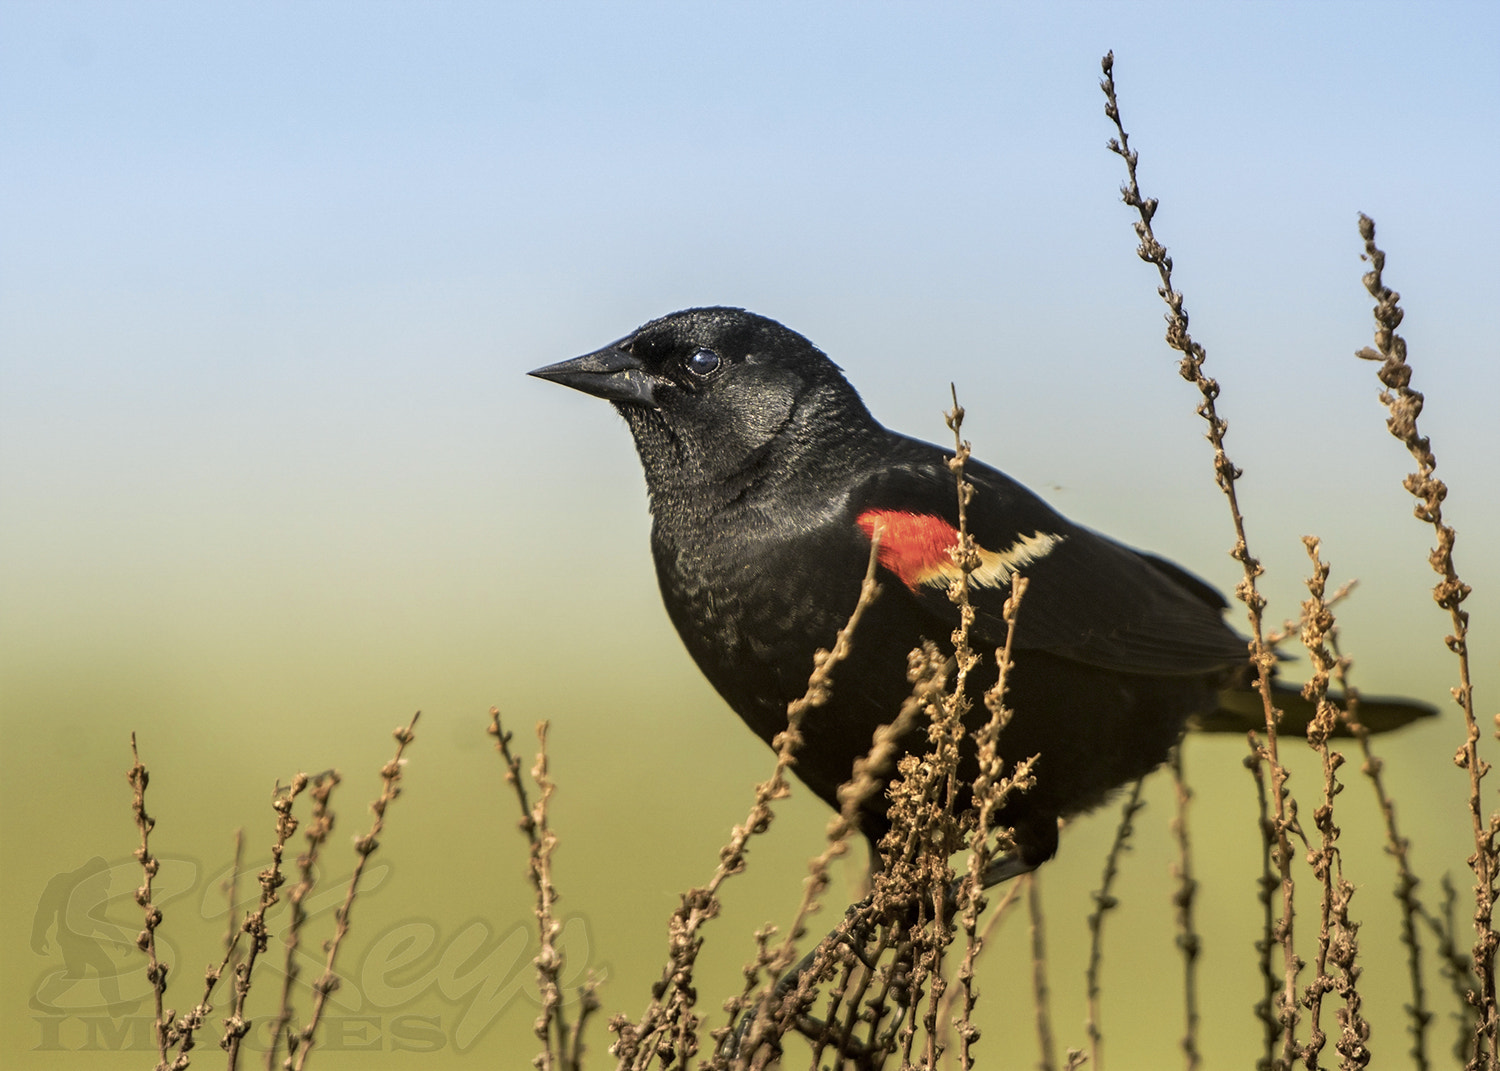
(991, 788)
(976, 939)
(1283, 807)
(300, 1043)
(889, 995)
(1266, 894)
(1040, 991)
(1338, 934)
(315, 835)
(1105, 902)
(767, 1021)
(271, 879)
(1405, 405)
(887, 992)
(176, 1035)
(1457, 969)
(1398, 848)
(562, 1043)
(669, 1028)
(156, 971)
(1188, 942)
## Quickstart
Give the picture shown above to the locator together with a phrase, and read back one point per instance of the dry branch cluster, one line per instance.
(176, 1036)
(891, 989)
(887, 993)
(894, 984)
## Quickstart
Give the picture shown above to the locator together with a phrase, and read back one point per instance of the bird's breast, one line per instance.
(752, 601)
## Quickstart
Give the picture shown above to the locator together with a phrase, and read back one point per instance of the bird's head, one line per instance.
(712, 393)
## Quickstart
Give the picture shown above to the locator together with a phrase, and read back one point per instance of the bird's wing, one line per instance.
(1090, 599)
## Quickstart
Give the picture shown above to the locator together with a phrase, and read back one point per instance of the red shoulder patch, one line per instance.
(914, 546)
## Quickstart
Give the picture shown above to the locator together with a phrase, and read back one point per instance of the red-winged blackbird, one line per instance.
(767, 476)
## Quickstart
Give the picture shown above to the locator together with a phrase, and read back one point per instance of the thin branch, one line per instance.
(1405, 405)
(271, 879)
(1039, 989)
(364, 847)
(1225, 474)
(1188, 941)
(1105, 902)
(156, 971)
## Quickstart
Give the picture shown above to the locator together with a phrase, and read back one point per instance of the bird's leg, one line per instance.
(852, 932)
(1008, 866)
(1034, 846)
(1035, 843)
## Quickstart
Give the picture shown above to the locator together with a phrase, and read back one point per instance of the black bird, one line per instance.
(767, 476)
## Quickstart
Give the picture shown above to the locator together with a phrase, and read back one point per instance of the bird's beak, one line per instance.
(608, 373)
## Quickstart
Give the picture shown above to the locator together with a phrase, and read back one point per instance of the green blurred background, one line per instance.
(272, 478)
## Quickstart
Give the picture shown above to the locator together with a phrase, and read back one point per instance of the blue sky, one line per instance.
(270, 277)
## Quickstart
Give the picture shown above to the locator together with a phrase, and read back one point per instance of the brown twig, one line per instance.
(991, 790)
(1105, 902)
(315, 835)
(1039, 988)
(1457, 969)
(1225, 473)
(364, 847)
(1188, 941)
(156, 971)
(927, 672)
(1399, 848)
(1265, 1008)
(562, 1045)
(910, 904)
(1337, 934)
(1405, 405)
(271, 879)
(669, 1025)
(975, 944)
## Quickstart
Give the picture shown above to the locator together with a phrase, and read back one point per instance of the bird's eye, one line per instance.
(703, 363)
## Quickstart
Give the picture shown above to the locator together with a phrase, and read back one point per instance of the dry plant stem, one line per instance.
(186, 1028)
(927, 671)
(1337, 934)
(170, 1031)
(316, 835)
(364, 847)
(1264, 1008)
(669, 1025)
(991, 790)
(1225, 473)
(1039, 990)
(1290, 627)
(548, 960)
(965, 991)
(1104, 902)
(1456, 969)
(966, 556)
(271, 879)
(588, 1004)
(1399, 848)
(1188, 941)
(928, 674)
(912, 893)
(852, 796)
(562, 1046)
(1405, 405)
(156, 971)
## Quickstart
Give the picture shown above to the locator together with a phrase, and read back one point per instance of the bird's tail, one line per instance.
(1241, 710)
